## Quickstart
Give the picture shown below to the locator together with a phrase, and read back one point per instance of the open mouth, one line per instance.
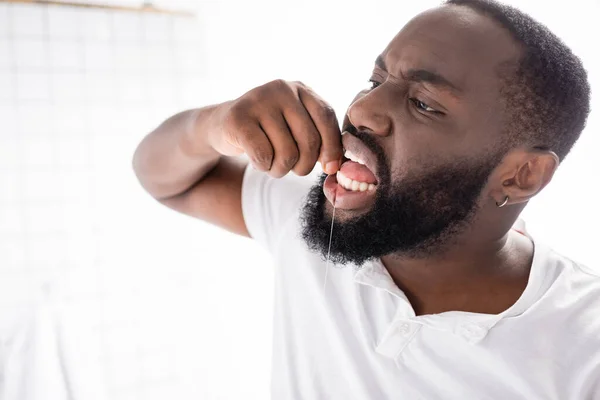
(354, 175)
(354, 186)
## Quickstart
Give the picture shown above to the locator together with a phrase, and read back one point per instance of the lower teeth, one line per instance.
(349, 187)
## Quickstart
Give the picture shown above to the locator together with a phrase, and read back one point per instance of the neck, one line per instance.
(462, 275)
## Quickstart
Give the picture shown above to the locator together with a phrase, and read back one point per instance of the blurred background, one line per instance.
(119, 297)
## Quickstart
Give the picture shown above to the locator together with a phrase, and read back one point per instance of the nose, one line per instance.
(367, 113)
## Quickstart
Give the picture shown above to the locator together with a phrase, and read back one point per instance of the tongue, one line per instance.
(358, 172)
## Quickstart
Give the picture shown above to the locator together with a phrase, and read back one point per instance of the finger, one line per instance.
(256, 145)
(285, 149)
(324, 118)
(305, 134)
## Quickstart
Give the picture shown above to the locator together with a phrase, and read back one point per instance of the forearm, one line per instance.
(176, 155)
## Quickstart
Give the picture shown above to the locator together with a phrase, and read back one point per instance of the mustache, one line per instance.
(369, 140)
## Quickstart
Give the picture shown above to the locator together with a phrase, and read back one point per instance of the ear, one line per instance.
(523, 174)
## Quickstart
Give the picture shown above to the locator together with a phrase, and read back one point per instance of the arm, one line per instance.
(176, 164)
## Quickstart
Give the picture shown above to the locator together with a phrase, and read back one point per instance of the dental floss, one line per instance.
(330, 237)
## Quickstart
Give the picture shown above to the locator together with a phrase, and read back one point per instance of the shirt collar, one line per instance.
(472, 326)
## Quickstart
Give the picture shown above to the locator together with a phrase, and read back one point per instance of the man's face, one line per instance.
(428, 135)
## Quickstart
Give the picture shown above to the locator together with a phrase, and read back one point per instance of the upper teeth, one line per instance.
(348, 154)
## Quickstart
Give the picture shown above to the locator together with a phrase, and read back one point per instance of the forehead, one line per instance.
(456, 42)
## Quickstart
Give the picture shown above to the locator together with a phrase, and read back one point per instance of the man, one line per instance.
(473, 105)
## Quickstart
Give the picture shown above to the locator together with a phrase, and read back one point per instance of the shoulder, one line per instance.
(577, 297)
(582, 281)
(578, 282)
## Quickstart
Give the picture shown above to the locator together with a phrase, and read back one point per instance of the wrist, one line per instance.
(197, 134)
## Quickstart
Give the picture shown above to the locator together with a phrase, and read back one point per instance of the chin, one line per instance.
(342, 215)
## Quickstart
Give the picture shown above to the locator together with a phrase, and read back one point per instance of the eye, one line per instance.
(374, 83)
(424, 107)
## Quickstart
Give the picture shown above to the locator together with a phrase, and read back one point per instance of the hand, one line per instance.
(282, 126)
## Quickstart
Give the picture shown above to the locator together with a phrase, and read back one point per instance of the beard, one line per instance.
(415, 216)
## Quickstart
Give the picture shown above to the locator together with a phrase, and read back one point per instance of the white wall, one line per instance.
(176, 308)
(78, 90)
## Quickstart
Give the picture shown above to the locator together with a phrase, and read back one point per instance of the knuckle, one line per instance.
(249, 98)
(278, 84)
(262, 157)
(326, 113)
(289, 160)
(300, 84)
(267, 91)
(313, 143)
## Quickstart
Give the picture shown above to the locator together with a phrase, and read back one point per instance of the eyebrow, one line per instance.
(422, 75)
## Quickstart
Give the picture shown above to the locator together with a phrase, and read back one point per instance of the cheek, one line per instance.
(405, 171)
(409, 157)
(413, 137)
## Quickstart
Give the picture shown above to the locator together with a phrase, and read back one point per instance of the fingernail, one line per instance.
(331, 167)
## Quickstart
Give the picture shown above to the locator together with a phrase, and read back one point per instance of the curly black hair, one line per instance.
(547, 94)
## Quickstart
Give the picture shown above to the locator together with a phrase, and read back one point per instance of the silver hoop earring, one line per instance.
(503, 203)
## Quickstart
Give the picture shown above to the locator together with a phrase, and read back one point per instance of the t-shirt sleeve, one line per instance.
(270, 205)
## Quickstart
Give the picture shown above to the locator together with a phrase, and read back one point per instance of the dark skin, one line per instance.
(419, 119)
(429, 120)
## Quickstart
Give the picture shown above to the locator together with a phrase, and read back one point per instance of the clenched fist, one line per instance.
(281, 126)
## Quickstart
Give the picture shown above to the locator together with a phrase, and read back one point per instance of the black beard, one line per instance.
(415, 217)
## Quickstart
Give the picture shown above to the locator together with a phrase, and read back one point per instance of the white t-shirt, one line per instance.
(360, 339)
